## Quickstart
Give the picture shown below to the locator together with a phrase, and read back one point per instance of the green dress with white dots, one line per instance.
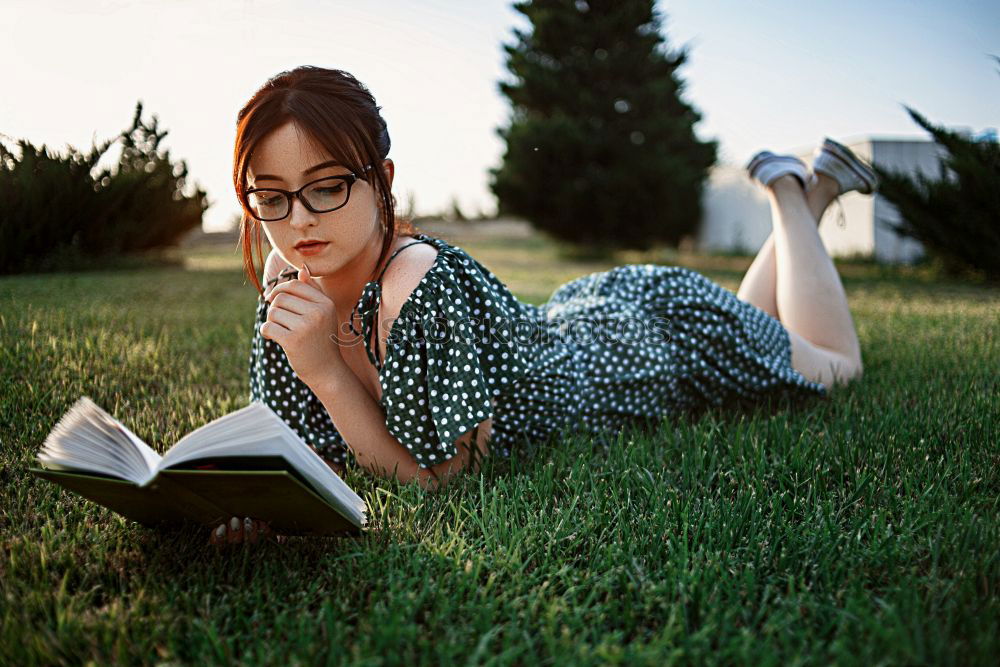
(635, 342)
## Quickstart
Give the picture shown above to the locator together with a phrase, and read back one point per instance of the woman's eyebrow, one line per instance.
(321, 165)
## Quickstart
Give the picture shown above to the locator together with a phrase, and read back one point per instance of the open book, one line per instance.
(246, 463)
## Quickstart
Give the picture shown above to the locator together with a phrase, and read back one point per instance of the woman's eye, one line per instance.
(332, 190)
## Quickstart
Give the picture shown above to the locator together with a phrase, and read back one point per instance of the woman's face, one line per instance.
(287, 159)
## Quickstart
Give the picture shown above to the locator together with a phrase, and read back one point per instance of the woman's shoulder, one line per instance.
(445, 279)
(405, 272)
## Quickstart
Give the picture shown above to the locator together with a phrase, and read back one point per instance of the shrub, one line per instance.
(956, 216)
(58, 215)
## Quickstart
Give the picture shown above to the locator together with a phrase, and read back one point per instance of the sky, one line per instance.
(779, 75)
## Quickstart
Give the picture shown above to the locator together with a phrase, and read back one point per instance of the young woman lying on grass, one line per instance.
(414, 365)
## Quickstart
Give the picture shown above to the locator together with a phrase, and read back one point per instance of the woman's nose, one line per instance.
(300, 216)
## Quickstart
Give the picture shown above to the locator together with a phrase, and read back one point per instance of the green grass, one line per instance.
(859, 530)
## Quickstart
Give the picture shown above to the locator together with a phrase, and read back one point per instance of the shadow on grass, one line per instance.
(68, 261)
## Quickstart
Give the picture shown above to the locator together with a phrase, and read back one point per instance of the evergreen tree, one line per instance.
(600, 146)
(954, 215)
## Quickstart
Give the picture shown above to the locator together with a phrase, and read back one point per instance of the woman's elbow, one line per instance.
(471, 449)
(440, 475)
(410, 472)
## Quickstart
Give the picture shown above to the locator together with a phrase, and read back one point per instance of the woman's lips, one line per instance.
(311, 248)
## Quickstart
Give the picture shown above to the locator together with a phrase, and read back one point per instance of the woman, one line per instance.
(417, 363)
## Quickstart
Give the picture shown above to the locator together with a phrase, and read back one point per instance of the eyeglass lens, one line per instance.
(323, 195)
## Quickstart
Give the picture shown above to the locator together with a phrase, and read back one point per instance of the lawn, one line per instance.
(859, 530)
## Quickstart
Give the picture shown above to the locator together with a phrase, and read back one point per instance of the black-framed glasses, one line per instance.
(320, 196)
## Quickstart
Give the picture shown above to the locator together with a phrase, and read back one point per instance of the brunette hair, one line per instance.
(336, 111)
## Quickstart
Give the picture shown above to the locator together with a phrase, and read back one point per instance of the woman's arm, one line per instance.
(360, 421)
(274, 265)
(300, 319)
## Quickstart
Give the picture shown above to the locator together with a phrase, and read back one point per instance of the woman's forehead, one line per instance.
(286, 154)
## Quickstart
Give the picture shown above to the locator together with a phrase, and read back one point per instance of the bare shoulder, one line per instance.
(401, 277)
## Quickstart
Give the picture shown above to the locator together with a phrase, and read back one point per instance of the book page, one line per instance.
(89, 439)
(148, 454)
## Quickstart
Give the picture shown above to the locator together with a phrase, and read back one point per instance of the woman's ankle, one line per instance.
(821, 195)
(784, 186)
(786, 182)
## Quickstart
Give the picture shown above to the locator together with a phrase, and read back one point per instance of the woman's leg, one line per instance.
(759, 284)
(808, 291)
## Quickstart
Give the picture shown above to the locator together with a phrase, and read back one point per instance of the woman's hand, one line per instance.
(302, 319)
(248, 530)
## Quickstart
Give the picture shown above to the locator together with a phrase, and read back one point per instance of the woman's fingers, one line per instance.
(274, 331)
(290, 302)
(249, 530)
(255, 530)
(264, 531)
(235, 533)
(297, 288)
(238, 531)
(285, 318)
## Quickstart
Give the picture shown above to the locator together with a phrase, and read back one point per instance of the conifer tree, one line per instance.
(956, 213)
(601, 149)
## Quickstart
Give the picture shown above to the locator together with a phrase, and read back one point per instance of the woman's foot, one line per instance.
(766, 168)
(851, 173)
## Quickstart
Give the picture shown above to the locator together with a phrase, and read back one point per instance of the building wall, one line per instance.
(736, 213)
(911, 157)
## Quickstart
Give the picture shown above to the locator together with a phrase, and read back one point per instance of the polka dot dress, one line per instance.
(634, 342)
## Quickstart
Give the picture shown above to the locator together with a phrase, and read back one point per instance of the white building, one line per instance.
(737, 215)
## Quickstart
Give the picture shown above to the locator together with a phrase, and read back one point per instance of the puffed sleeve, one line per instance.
(449, 352)
(275, 383)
